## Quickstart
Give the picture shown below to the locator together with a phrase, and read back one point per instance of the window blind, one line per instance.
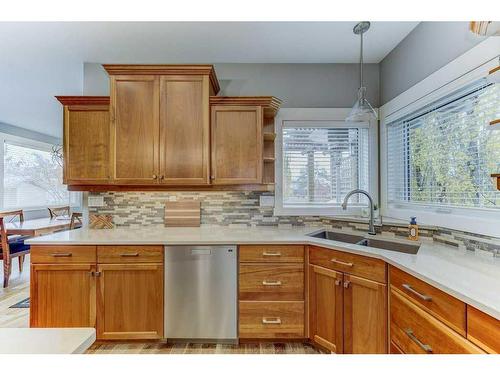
(443, 154)
(31, 178)
(322, 164)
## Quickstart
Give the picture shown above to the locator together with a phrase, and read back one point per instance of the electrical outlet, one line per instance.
(96, 201)
(266, 201)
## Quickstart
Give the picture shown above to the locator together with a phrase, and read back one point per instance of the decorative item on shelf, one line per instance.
(182, 214)
(362, 109)
(101, 221)
(57, 154)
(485, 28)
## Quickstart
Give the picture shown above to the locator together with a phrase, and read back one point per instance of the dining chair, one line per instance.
(58, 211)
(75, 216)
(13, 247)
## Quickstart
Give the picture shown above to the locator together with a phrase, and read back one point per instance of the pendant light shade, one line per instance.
(361, 110)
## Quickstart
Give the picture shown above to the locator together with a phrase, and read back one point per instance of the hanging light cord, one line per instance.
(361, 62)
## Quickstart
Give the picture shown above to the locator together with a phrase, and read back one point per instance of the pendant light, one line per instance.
(361, 110)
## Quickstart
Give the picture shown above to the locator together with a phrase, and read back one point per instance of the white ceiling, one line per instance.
(40, 60)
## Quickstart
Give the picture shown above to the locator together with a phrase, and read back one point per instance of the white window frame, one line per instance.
(466, 69)
(322, 115)
(22, 142)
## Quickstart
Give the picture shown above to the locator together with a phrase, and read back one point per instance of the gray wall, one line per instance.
(297, 85)
(430, 46)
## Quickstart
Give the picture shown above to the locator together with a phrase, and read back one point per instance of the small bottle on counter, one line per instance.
(413, 229)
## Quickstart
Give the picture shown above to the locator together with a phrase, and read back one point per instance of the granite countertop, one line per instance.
(46, 340)
(471, 278)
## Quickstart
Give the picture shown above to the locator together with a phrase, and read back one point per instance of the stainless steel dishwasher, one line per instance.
(201, 293)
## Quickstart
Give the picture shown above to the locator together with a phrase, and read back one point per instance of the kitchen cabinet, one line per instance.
(86, 139)
(130, 301)
(483, 330)
(365, 316)
(237, 145)
(62, 295)
(184, 130)
(242, 133)
(135, 129)
(347, 313)
(117, 289)
(160, 123)
(271, 292)
(326, 308)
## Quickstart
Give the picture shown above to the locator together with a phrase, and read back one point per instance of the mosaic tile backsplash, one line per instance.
(235, 208)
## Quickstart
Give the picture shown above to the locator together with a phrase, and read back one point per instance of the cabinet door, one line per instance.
(86, 144)
(365, 316)
(135, 129)
(130, 301)
(326, 308)
(62, 295)
(184, 130)
(237, 145)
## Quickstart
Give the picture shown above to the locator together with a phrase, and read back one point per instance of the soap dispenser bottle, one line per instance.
(413, 229)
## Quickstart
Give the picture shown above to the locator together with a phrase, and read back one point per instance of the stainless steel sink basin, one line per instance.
(335, 236)
(371, 242)
(390, 245)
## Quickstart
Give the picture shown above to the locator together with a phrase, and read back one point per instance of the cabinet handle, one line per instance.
(162, 177)
(338, 282)
(97, 273)
(268, 254)
(419, 295)
(155, 177)
(414, 338)
(62, 255)
(346, 284)
(348, 264)
(271, 283)
(129, 255)
(271, 320)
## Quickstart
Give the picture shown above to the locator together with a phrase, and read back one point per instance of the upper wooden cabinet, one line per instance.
(86, 139)
(160, 123)
(243, 140)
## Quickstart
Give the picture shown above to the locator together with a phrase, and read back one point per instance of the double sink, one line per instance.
(369, 242)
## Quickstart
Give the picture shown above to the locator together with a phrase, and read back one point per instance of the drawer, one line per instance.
(267, 320)
(446, 308)
(49, 254)
(483, 330)
(358, 265)
(415, 331)
(272, 253)
(271, 282)
(130, 254)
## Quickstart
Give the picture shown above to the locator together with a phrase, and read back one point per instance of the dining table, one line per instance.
(37, 227)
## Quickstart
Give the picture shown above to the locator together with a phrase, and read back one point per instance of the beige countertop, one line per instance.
(474, 279)
(46, 340)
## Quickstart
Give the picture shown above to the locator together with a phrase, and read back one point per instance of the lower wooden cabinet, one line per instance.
(347, 314)
(62, 295)
(326, 301)
(365, 316)
(130, 301)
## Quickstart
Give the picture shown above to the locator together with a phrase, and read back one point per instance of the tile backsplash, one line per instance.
(235, 208)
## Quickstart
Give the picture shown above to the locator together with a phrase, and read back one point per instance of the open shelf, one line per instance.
(268, 159)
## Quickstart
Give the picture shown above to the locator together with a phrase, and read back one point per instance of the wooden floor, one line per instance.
(189, 348)
(18, 289)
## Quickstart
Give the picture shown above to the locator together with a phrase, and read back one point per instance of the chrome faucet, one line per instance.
(371, 228)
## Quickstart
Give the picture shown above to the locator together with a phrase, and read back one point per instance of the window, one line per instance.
(320, 161)
(32, 178)
(442, 155)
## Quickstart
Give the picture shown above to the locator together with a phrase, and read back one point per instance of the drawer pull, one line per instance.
(129, 255)
(271, 321)
(62, 255)
(348, 264)
(414, 338)
(269, 254)
(271, 283)
(338, 282)
(419, 295)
